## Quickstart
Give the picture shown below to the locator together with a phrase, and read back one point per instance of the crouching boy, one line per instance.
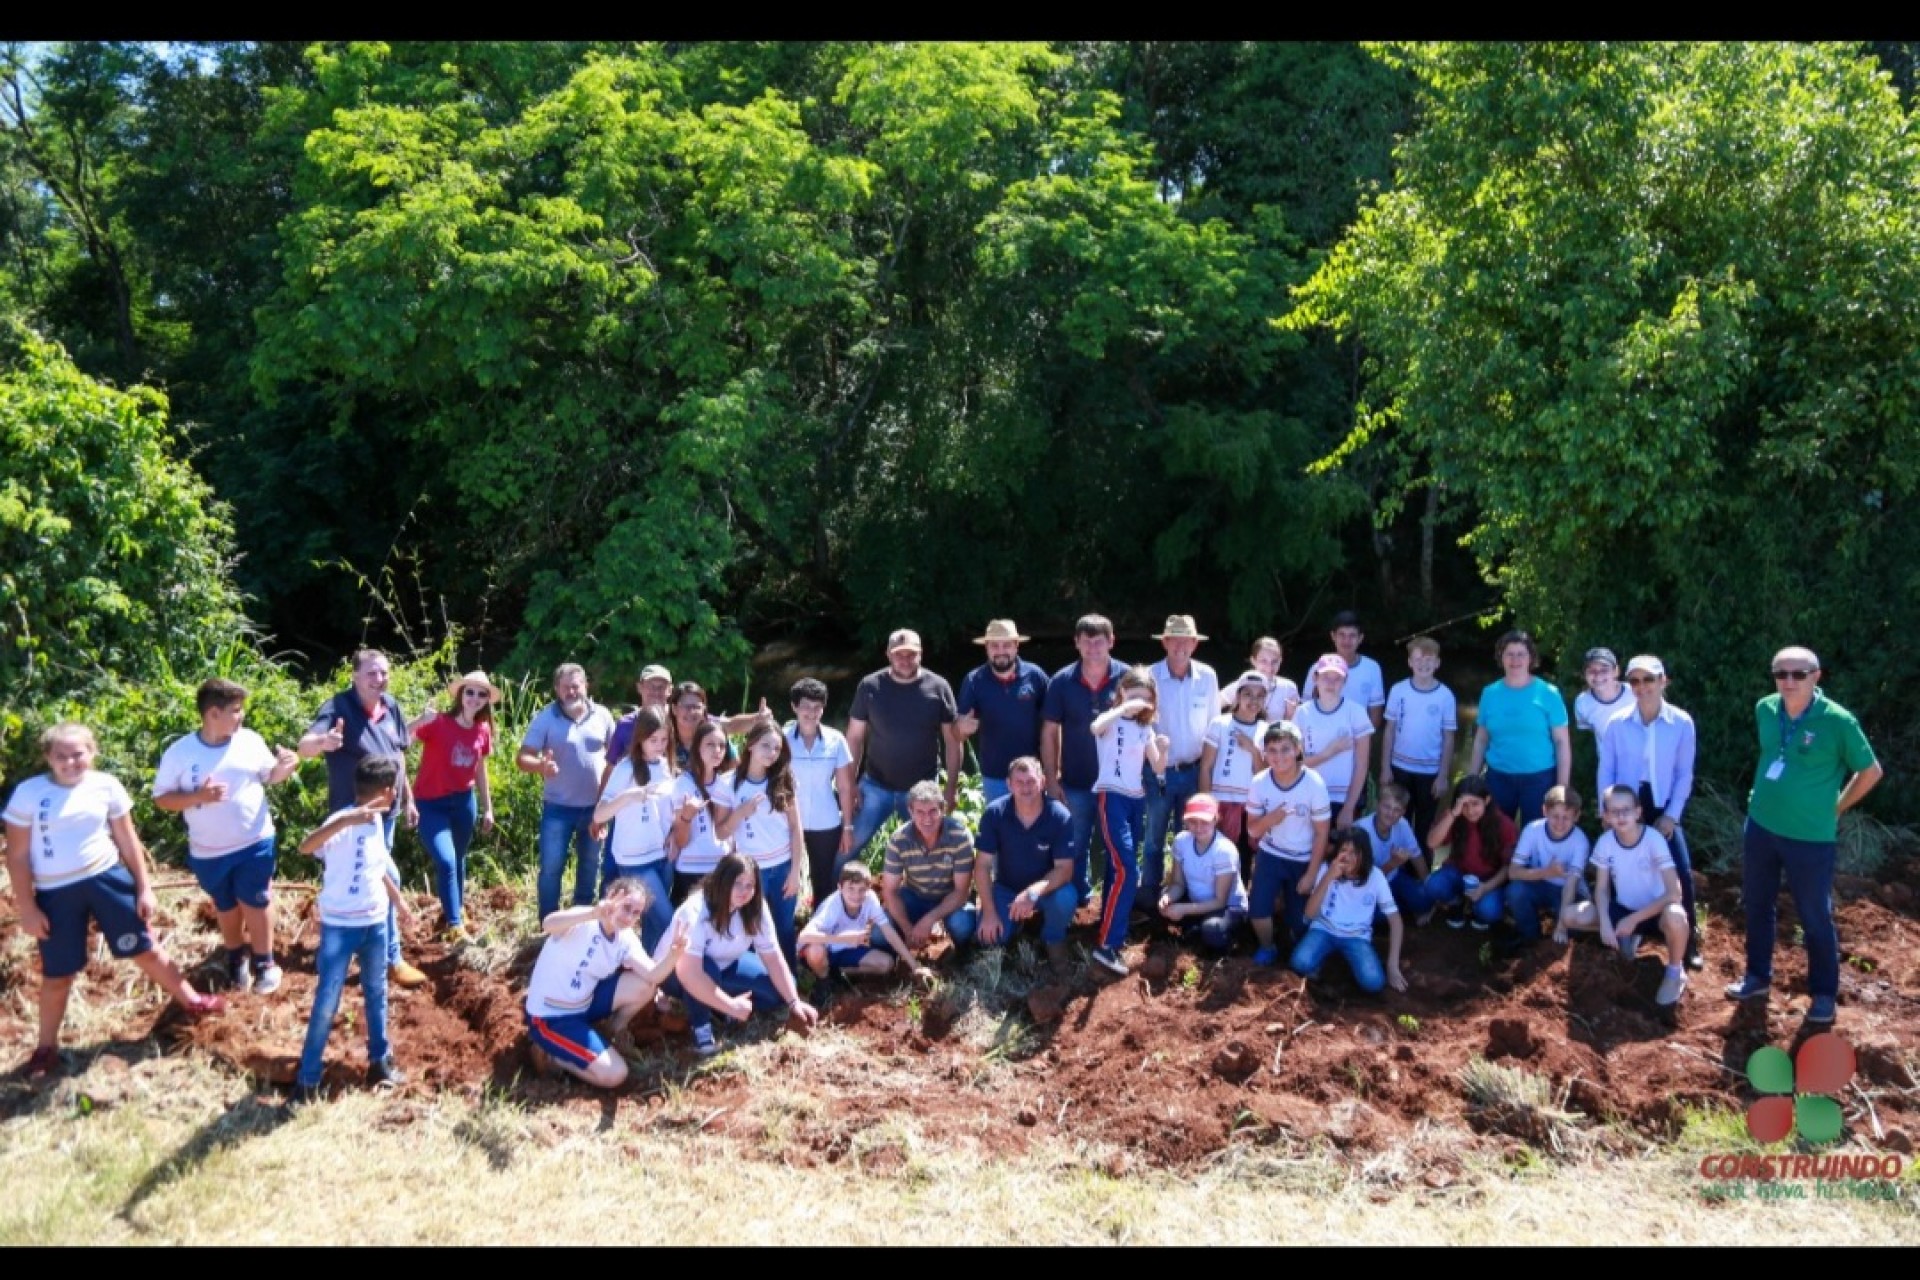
(839, 937)
(1636, 891)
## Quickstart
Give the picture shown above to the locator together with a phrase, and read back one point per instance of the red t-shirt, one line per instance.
(451, 755)
(1471, 858)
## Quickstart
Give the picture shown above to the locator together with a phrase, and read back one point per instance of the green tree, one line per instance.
(113, 555)
(1650, 310)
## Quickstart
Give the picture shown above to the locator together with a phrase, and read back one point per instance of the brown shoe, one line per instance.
(405, 975)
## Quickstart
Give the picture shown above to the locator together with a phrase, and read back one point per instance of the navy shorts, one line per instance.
(572, 1039)
(1648, 928)
(109, 898)
(243, 878)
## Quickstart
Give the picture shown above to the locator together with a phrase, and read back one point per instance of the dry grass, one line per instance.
(184, 1153)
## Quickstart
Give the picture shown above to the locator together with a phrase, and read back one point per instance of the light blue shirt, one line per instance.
(1660, 753)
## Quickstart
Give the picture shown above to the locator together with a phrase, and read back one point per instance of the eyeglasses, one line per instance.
(1783, 673)
(1622, 813)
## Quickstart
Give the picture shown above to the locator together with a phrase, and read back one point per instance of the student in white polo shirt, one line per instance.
(1636, 891)
(823, 772)
(217, 779)
(74, 857)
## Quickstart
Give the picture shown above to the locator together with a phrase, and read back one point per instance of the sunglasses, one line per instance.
(473, 693)
(1637, 681)
(1786, 674)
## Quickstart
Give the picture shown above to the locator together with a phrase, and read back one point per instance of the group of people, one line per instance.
(694, 854)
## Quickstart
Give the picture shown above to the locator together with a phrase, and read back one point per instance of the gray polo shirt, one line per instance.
(580, 749)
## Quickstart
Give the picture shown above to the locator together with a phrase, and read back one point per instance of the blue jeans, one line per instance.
(1166, 806)
(1807, 866)
(746, 976)
(1055, 912)
(561, 825)
(1120, 820)
(1080, 805)
(393, 918)
(1215, 932)
(877, 804)
(446, 828)
(1409, 894)
(339, 945)
(1448, 883)
(1276, 881)
(1520, 795)
(1526, 899)
(960, 924)
(658, 877)
(773, 885)
(1359, 954)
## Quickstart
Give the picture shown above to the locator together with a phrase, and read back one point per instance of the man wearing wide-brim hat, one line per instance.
(1000, 702)
(1189, 698)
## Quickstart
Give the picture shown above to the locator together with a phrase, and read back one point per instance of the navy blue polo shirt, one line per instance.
(1024, 854)
(1009, 714)
(361, 736)
(1073, 704)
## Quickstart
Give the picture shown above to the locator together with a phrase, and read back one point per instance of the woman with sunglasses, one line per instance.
(453, 772)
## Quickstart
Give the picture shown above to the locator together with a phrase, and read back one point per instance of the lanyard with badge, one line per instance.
(1787, 726)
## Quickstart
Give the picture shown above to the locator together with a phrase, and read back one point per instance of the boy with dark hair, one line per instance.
(358, 884)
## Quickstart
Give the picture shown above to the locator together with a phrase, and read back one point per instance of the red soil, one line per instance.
(1166, 1067)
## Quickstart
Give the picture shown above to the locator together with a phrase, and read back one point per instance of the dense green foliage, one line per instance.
(1652, 313)
(619, 352)
(113, 553)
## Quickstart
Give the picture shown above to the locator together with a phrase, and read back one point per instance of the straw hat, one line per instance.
(475, 677)
(1002, 629)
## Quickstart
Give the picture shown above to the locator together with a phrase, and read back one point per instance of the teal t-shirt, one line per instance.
(1520, 724)
(1814, 755)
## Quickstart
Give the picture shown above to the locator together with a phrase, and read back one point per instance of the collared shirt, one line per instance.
(1186, 708)
(1659, 754)
(1023, 854)
(380, 732)
(1072, 703)
(579, 747)
(930, 869)
(1803, 765)
(1009, 712)
(815, 772)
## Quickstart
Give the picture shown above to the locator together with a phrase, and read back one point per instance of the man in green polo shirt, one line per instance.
(1815, 764)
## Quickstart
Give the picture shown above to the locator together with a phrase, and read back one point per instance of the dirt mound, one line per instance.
(1167, 1067)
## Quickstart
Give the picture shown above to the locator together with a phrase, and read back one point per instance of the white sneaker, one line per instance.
(1109, 959)
(267, 981)
(1671, 986)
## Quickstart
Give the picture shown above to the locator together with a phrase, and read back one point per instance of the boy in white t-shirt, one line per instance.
(217, 779)
(1416, 743)
(1395, 847)
(1548, 869)
(839, 934)
(594, 971)
(358, 881)
(1636, 891)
